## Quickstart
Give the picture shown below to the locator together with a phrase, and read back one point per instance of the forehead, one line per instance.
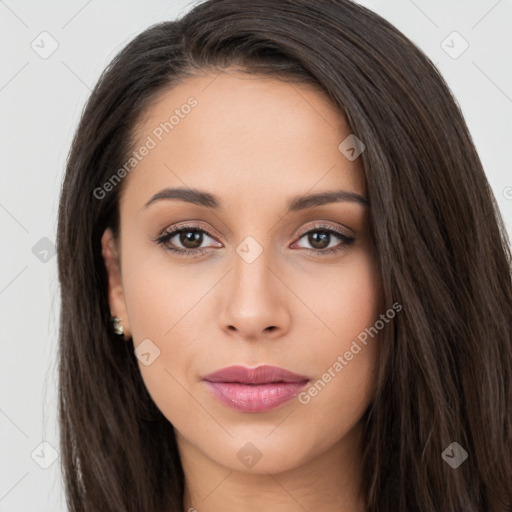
(231, 128)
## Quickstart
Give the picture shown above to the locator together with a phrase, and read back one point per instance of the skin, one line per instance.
(254, 142)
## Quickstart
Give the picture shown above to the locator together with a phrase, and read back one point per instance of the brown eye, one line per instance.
(320, 240)
(191, 239)
(186, 240)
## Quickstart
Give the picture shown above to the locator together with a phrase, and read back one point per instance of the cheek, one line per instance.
(350, 301)
(345, 301)
(160, 311)
(165, 304)
(158, 293)
(346, 350)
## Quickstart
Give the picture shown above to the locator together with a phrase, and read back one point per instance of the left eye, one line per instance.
(191, 239)
(320, 239)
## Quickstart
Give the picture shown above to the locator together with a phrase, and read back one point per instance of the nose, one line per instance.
(254, 305)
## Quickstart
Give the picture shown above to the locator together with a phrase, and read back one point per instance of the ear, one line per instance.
(116, 299)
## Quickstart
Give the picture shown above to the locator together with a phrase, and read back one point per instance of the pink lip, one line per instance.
(254, 389)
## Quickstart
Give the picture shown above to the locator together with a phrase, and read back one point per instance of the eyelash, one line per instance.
(168, 235)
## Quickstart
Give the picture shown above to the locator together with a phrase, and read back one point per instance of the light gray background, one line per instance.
(40, 103)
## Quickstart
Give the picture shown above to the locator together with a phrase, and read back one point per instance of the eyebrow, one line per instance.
(294, 204)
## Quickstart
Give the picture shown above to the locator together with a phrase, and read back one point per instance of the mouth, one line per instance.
(265, 374)
(254, 389)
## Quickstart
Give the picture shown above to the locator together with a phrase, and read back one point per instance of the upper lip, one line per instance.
(260, 375)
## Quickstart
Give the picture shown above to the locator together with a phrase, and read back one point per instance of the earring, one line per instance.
(118, 326)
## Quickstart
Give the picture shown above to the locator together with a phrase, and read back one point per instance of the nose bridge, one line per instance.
(252, 274)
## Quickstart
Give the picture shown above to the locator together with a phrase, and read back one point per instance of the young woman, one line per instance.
(285, 282)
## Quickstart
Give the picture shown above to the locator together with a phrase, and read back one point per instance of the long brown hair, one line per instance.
(446, 362)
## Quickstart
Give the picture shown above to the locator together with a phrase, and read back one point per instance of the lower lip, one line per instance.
(254, 397)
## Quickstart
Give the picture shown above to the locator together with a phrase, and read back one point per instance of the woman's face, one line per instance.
(258, 293)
